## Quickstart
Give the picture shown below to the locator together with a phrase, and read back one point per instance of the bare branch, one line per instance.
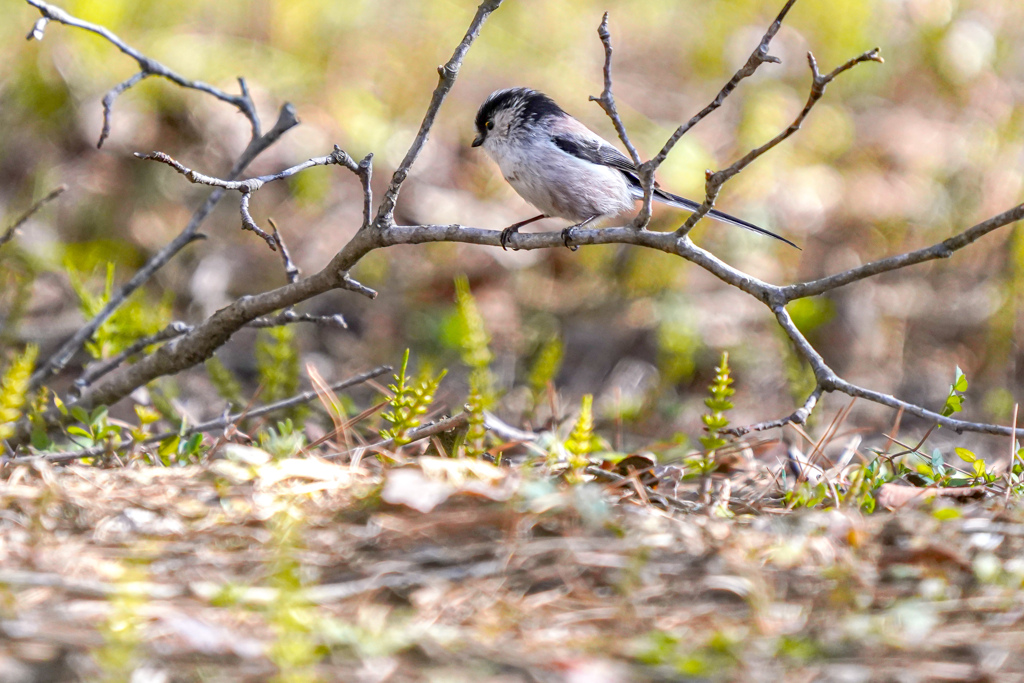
(798, 417)
(291, 271)
(824, 375)
(219, 423)
(958, 426)
(758, 57)
(607, 99)
(208, 336)
(943, 249)
(147, 67)
(108, 102)
(250, 185)
(55, 363)
(447, 74)
(359, 288)
(9, 234)
(829, 381)
(249, 224)
(819, 82)
(647, 170)
(290, 317)
(365, 173)
(204, 339)
(175, 329)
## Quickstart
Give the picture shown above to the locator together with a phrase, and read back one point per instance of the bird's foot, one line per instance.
(567, 237)
(506, 236)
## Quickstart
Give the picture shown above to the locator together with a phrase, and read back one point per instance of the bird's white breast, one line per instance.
(557, 183)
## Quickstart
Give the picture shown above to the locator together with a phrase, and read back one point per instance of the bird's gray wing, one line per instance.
(594, 150)
(597, 151)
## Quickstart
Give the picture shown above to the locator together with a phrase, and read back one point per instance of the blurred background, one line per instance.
(897, 156)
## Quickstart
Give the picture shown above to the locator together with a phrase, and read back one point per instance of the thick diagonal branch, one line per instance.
(55, 363)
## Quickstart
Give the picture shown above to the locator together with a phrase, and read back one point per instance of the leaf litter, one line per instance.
(251, 569)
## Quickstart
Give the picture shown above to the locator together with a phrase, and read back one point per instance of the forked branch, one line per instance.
(250, 185)
(819, 82)
(147, 67)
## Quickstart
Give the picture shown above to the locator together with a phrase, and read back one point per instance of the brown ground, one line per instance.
(244, 570)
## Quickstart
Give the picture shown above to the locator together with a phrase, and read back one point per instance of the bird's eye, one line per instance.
(489, 125)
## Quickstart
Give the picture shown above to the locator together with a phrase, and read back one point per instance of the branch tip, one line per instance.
(36, 33)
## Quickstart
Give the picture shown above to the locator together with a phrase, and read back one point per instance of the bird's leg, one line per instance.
(567, 233)
(507, 233)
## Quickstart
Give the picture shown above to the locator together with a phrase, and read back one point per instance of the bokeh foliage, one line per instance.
(897, 156)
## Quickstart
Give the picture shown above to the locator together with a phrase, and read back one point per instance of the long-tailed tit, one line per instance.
(562, 167)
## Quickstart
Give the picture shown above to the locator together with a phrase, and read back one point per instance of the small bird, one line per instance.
(562, 167)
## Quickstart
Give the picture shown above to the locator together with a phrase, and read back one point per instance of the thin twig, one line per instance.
(219, 423)
(9, 234)
(446, 79)
(607, 98)
(291, 271)
(943, 249)
(250, 185)
(175, 329)
(799, 417)
(819, 83)
(147, 67)
(111, 96)
(759, 56)
(365, 173)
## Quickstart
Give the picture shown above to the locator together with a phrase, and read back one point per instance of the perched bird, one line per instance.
(562, 167)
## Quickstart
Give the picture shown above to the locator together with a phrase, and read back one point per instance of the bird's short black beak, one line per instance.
(478, 140)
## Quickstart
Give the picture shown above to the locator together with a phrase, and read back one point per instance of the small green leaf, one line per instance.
(169, 446)
(955, 400)
(98, 415)
(78, 431)
(966, 455)
(960, 381)
(192, 445)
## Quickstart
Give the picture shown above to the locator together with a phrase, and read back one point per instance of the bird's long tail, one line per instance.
(690, 205)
